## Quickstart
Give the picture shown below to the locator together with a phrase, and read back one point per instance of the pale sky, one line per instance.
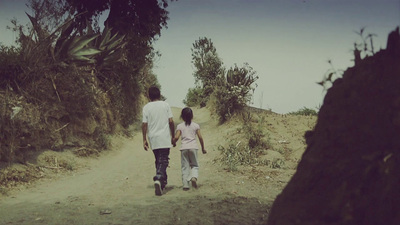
(287, 42)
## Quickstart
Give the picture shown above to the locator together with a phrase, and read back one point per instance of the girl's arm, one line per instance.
(177, 135)
(201, 142)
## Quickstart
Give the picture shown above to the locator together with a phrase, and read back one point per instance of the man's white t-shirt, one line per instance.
(156, 114)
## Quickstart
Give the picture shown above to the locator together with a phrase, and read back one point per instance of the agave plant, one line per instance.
(71, 47)
(74, 48)
(111, 47)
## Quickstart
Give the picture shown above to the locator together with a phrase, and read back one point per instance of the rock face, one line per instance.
(350, 171)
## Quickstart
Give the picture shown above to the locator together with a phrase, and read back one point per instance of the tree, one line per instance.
(194, 97)
(235, 91)
(141, 21)
(209, 67)
(50, 14)
(230, 91)
(88, 77)
(142, 17)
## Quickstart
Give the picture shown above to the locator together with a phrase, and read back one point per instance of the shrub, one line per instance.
(9, 67)
(19, 127)
(247, 153)
(235, 155)
(208, 67)
(195, 97)
(227, 101)
(305, 112)
(232, 94)
(255, 133)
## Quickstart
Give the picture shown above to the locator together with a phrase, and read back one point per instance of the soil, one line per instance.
(349, 173)
(117, 188)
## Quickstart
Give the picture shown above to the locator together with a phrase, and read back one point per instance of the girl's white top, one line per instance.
(188, 135)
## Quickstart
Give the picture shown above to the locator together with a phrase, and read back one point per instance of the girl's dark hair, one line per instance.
(187, 115)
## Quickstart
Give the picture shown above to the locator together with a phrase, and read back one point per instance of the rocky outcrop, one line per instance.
(350, 171)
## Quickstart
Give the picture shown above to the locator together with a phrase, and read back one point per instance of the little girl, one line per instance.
(189, 163)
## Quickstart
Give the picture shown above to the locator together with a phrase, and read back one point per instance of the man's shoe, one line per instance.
(157, 187)
(194, 182)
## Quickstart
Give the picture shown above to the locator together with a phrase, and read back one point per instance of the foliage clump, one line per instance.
(248, 150)
(228, 91)
(69, 84)
(195, 97)
(305, 112)
(234, 91)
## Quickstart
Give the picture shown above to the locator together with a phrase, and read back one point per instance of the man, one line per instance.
(158, 127)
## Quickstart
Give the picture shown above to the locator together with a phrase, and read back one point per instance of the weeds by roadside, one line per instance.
(3, 191)
(249, 151)
(254, 132)
(235, 155)
(305, 112)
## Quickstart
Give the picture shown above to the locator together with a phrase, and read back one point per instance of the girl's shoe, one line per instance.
(194, 182)
(186, 185)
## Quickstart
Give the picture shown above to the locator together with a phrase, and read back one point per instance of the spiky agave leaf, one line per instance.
(115, 36)
(83, 60)
(62, 51)
(87, 52)
(37, 29)
(116, 56)
(110, 45)
(66, 30)
(80, 42)
(115, 44)
(104, 38)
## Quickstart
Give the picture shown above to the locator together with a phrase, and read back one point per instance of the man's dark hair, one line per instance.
(154, 93)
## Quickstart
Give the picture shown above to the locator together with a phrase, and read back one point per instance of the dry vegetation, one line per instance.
(120, 180)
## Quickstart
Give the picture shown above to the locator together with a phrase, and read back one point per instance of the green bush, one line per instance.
(246, 153)
(236, 155)
(9, 65)
(305, 112)
(254, 132)
(227, 102)
(234, 92)
(195, 97)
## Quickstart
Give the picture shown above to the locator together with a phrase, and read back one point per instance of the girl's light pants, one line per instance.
(189, 165)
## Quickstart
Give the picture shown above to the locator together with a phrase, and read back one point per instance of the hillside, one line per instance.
(349, 173)
(78, 190)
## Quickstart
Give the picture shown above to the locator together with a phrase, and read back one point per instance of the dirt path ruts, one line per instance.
(120, 182)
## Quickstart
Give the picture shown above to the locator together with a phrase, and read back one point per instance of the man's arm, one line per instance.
(144, 133)
(172, 130)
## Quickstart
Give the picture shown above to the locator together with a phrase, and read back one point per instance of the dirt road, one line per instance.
(118, 189)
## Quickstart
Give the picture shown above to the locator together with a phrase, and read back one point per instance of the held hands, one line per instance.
(145, 145)
(173, 141)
